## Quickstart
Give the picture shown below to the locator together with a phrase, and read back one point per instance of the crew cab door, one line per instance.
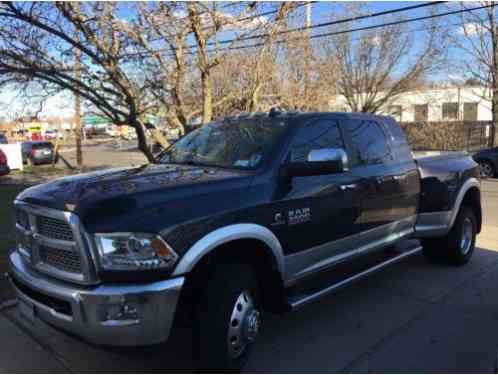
(316, 213)
(386, 209)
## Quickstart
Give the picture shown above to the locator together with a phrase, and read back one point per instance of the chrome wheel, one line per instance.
(486, 169)
(244, 325)
(467, 235)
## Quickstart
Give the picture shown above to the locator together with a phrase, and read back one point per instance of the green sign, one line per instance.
(96, 120)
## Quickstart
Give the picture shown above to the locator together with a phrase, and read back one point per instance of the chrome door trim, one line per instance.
(433, 224)
(308, 262)
(297, 304)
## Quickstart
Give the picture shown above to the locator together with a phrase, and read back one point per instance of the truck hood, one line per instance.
(88, 190)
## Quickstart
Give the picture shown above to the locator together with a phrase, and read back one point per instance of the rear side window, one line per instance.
(314, 136)
(369, 141)
(402, 150)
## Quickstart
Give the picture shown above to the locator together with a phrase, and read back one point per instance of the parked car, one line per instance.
(268, 212)
(3, 139)
(50, 134)
(488, 162)
(4, 167)
(112, 131)
(38, 152)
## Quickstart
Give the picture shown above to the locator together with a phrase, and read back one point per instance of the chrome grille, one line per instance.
(54, 228)
(65, 260)
(52, 242)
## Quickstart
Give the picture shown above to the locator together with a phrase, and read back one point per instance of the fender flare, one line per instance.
(467, 185)
(227, 234)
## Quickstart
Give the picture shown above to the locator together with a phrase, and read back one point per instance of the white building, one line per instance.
(434, 104)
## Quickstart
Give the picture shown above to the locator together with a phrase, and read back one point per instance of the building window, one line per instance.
(421, 112)
(395, 111)
(450, 111)
(470, 111)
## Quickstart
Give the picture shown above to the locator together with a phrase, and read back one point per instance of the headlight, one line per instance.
(134, 252)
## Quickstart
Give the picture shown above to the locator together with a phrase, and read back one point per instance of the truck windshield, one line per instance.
(231, 143)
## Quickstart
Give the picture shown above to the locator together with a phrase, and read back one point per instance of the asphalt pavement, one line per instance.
(115, 153)
(414, 317)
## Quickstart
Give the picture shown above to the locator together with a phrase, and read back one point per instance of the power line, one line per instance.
(323, 35)
(303, 28)
(324, 24)
(259, 15)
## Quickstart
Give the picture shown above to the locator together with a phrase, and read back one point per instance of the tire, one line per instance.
(486, 169)
(227, 312)
(458, 245)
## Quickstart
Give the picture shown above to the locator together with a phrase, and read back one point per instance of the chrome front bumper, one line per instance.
(84, 311)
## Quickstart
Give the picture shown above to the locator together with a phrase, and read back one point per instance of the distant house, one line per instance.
(434, 105)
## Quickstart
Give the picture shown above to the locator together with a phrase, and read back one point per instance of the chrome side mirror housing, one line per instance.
(330, 155)
(319, 162)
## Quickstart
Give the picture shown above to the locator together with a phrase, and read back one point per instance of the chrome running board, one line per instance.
(298, 301)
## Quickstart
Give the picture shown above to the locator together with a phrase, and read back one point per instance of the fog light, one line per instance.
(119, 312)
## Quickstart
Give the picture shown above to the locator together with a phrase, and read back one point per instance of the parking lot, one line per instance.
(415, 317)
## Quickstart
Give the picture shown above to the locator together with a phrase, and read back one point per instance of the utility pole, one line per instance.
(77, 104)
(308, 15)
(307, 49)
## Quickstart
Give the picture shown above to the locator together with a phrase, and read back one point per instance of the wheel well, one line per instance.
(248, 251)
(472, 199)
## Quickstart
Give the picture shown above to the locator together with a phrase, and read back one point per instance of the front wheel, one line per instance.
(228, 319)
(458, 245)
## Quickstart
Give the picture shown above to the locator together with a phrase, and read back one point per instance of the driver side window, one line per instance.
(314, 136)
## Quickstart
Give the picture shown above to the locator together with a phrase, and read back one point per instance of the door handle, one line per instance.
(348, 187)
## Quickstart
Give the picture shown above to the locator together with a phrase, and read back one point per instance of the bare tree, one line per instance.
(36, 44)
(375, 66)
(477, 38)
(192, 76)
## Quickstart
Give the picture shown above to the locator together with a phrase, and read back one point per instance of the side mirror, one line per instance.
(320, 162)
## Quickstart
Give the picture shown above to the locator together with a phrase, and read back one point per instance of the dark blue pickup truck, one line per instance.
(267, 212)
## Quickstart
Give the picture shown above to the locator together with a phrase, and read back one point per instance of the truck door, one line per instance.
(317, 215)
(375, 168)
(405, 184)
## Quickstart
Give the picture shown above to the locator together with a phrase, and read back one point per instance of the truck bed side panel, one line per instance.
(445, 179)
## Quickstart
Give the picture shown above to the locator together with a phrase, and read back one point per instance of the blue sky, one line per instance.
(321, 12)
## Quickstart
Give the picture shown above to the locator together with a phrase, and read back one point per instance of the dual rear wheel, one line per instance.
(458, 245)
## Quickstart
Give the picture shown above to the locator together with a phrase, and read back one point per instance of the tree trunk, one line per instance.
(142, 141)
(254, 103)
(494, 110)
(207, 99)
(494, 73)
(77, 108)
(177, 123)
